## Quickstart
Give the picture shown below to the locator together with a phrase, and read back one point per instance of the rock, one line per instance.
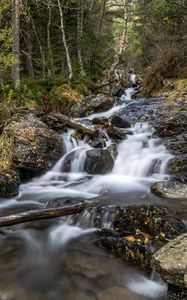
(9, 183)
(170, 189)
(173, 126)
(139, 231)
(98, 161)
(176, 293)
(171, 262)
(98, 103)
(116, 292)
(118, 121)
(97, 143)
(33, 147)
(178, 164)
(177, 147)
(116, 89)
(113, 149)
(100, 121)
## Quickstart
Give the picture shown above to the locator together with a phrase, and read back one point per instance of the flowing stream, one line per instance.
(56, 259)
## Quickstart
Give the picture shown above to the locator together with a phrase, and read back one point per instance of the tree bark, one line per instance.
(16, 43)
(79, 35)
(65, 42)
(101, 17)
(47, 213)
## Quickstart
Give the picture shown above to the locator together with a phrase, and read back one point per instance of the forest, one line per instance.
(93, 149)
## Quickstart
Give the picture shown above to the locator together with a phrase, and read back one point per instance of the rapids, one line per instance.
(56, 259)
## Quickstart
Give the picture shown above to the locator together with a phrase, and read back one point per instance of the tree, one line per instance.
(16, 43)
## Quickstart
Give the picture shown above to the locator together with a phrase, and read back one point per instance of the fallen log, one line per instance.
(41, 214)
(74, 123)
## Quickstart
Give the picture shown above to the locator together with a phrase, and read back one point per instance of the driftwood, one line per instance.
(41, 214)
(74, 123)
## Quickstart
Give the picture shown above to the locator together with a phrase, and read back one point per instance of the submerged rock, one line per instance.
(139, 231)
(33, 147)
(170, 189)
(98, 161)
(171, 261)
(9, 183)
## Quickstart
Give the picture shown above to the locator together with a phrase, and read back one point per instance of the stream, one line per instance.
(56, 259)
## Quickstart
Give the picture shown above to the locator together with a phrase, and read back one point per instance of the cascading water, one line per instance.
(141, 160)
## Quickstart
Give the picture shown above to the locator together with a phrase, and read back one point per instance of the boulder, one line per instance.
(170, 189)
(9, 183)
(33, 147)
(173, 126)
(98, 161)
(137, 232)
(98, 103)
(118, 121)
(171, 262)
(178, 164)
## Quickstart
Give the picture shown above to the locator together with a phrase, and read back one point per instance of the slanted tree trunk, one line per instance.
(124, 37)
(16, 43)
(65, 42)
(79, 35)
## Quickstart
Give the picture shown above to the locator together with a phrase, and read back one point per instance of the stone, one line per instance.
(98, 161)
(178, 164)
(137, 232)
(98, 103)
(33, 147)
(118, 121)
(171, 262)
(169, 189)
(9, 183)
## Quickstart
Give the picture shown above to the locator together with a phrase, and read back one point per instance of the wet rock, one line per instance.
(178, 164)
(33, 147)
(177, 147)
(171, 261)
(170, 189)
(116, 89)
(100, 121)
(118, 121)
(176, 293)
(139, 231)
(98, 103)
(113, 149)
(173, 126)
(98, 161)
(97, 143)
(9, 183)
(66, 167)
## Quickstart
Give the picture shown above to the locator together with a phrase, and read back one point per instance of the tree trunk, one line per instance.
(101, 17)
(16, 43)
(41, 214)
(79, 35)
(64, 42)
(49, 50)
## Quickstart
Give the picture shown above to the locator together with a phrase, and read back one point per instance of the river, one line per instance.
(56, 259)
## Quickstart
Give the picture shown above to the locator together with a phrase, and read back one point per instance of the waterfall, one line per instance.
(141, 160)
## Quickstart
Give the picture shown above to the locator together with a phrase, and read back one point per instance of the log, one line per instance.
(74, 123)
(41, 214)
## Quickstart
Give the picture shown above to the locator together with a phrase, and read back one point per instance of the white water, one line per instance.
(141, 161)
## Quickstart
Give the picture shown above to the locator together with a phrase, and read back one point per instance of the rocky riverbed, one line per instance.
(32, 142)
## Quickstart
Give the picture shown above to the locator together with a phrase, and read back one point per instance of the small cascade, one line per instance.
(141, 160)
